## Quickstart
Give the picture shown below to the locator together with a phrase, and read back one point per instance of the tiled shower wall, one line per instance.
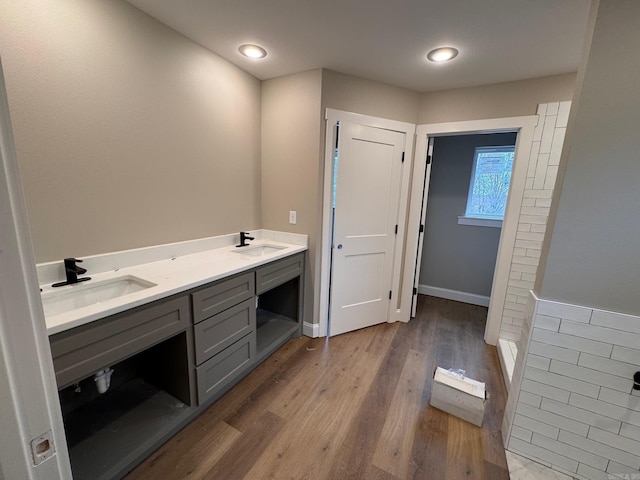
(534, 213)
(575, 410)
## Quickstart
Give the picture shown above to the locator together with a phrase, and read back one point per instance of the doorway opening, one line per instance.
(467, 196)
(524, 127)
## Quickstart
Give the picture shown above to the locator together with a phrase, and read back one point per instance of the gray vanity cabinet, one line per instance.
(224, 314)
(279, 287)
(218, 373)
(234, 330)
(82, 351)
(222, 330)
(277, 273)
(222, 295)
(172, 358)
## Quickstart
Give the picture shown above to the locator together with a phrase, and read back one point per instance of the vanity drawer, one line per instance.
(82, 351)
(218, 332)
(222, 295)
(221, 370)
(279, 272)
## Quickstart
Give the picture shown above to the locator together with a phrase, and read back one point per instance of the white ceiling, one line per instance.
(387, 40)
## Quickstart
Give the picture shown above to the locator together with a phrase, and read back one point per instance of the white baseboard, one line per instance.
(456, 295)
(311, 329)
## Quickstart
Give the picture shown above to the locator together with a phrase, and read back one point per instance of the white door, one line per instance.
(369, 174)
(423, 218)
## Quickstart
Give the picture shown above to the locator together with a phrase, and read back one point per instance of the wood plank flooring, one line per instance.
(355, 406)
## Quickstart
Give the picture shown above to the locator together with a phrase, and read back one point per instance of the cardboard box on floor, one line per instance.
(458, 395)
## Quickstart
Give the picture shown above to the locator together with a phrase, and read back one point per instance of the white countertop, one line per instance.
(171, 275)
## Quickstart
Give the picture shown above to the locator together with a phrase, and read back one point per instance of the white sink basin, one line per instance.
(258, 250)
(79, 295)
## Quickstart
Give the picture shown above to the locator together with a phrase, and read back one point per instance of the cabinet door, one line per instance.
(222, 295)
(279, 272)
(82, 351)
(223, 369)
(218, 332)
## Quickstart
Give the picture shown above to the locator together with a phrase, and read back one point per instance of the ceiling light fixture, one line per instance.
(252, 51)
(442, 54)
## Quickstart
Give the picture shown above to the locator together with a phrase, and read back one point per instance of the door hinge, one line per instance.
(402, 157)
(421, 228)
(415, 291)
(396, 229)
(428, 159)
(389, 294)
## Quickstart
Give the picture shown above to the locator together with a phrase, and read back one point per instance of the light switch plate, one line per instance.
(292, 217)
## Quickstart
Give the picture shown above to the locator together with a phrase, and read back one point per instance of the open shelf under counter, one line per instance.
(272, 331)
(107, 436)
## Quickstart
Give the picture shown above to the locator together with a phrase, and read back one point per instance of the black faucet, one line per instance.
(244, 236)
(72, 271)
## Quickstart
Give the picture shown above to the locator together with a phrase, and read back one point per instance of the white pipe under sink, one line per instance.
(103, 379)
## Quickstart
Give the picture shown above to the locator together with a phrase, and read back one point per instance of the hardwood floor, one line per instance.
(355, 406)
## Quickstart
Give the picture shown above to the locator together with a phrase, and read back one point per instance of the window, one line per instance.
(489, 186)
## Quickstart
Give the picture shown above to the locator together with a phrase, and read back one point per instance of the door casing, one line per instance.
(524, 126)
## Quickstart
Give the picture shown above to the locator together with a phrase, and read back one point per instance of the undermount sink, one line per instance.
(258, 250)
(72, 297)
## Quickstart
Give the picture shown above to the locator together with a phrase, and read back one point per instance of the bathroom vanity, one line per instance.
(172, 356)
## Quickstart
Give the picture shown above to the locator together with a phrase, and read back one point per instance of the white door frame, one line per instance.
(28, 394)
(332, 116)
(524, 126)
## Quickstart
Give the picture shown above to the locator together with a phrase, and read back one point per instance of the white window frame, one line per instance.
(477, 219)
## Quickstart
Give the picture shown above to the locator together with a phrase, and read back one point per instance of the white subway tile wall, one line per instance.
(573, 407)
(517, 383)
(534, 213)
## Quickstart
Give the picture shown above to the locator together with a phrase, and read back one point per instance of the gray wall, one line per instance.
(291, 169)
(508, 99)
(359, 95)
(457, 257)
(295, 97)
(127, 133)
(593, 253)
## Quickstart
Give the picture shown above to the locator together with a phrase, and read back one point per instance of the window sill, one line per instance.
(479, 222)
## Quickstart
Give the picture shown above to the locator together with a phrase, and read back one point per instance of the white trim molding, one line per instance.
(311, 329)
(456, 295)
(479, 222)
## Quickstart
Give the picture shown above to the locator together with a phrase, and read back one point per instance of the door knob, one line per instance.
(339, 246)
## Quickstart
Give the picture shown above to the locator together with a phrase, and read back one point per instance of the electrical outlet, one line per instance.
(292, 217)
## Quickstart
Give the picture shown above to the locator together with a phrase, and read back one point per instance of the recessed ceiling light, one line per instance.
(442, 54)
(252, 51)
